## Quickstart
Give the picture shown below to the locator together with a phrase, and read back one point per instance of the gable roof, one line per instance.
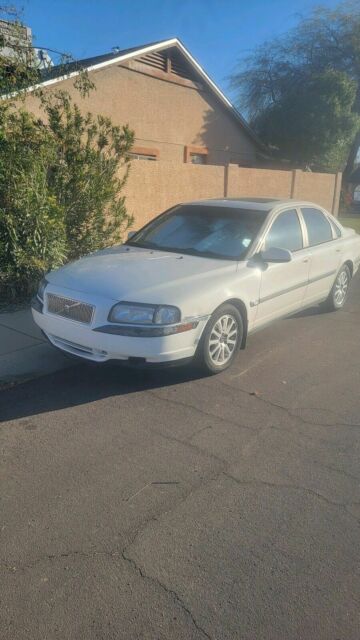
(59, 71)
(71, 69)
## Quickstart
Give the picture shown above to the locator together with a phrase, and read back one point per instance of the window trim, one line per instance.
(300, 221)
(336, 227)
(144, 151)
(200, 151)
(328, 220)
(280, 208)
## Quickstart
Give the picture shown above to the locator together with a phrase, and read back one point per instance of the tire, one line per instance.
(220, 340)
(338, 294)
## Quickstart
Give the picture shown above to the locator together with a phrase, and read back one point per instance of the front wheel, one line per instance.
(221, 339)
(339, 291)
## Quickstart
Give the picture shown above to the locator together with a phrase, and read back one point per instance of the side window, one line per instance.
(285, 232)
(318, 227)
(336, 229)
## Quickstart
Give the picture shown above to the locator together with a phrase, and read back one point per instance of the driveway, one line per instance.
(159, 506)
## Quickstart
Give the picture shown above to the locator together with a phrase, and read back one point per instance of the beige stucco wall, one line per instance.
(153, 187)
(259, 182)
(318, 187)
(168, 116)
(164, 115)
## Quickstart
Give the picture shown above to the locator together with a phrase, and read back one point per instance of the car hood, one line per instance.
(139, 275)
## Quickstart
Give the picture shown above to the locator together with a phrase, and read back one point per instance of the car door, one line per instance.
(283, 285)
(325, 251)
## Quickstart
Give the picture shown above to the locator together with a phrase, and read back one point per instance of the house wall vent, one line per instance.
(179, 67)
(171, 62)
(156, 59)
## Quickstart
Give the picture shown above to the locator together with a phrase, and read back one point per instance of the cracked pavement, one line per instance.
(166, 506)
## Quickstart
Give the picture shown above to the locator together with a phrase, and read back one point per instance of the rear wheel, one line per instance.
(339, 291)
(221, 339)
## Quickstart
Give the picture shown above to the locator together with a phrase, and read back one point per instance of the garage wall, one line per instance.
(153, 187)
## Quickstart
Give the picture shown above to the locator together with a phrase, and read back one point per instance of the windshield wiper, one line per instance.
(206, 254)
(142, 245)
(185, 250)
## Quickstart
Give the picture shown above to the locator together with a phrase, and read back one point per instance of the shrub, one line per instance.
(86, 178)
(32, 231)
(60, 188)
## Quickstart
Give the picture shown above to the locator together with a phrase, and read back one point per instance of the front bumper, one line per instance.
(91, 344)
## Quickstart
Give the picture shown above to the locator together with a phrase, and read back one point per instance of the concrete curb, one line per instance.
(24, 354)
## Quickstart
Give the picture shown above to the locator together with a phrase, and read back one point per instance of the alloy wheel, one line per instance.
(223, 340)
(341, 287)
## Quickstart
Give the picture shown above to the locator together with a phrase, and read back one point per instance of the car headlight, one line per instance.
(137, 313)
(41, 289)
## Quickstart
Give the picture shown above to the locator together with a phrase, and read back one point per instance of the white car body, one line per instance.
(196, 285)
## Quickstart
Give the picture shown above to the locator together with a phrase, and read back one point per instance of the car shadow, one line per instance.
(85, 383)
(310, 311)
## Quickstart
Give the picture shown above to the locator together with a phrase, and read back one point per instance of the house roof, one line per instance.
(71, 69)
(60, 70)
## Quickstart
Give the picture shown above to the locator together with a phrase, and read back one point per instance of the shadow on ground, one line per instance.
(318, 310)
(85, 383)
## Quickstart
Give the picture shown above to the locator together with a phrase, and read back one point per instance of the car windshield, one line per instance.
(208, 231)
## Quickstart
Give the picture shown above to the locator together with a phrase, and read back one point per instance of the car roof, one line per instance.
(263, 204)
(257, 204)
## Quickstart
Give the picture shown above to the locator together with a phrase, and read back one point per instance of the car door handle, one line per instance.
(306, 260)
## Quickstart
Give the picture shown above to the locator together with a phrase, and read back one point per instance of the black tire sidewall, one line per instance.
(203, 357)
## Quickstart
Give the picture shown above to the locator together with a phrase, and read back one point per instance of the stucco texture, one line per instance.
(164, 115)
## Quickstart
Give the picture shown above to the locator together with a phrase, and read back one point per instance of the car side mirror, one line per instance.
(130, 234)
(275, 254)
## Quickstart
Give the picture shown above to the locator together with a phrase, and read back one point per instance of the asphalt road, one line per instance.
(159, 506)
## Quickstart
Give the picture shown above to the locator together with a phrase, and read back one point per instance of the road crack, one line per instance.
(293, 487)
(288, 411)
(175, 596)
(208, 414)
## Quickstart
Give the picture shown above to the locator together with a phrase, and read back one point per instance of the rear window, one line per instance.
(318, 227)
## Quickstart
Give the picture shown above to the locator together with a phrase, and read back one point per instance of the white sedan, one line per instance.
(196, 280)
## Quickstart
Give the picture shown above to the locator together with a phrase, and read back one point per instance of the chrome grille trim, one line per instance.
(70, 308)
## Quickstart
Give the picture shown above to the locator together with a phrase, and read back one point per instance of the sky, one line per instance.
(216, 32)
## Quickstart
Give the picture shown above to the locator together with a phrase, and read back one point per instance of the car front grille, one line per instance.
(69, 308)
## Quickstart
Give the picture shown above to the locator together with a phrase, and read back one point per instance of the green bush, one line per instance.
(60, 189)
(86, 178)
(32, 230)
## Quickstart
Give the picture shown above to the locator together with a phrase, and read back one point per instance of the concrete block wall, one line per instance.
(153, 187)
(258, 182)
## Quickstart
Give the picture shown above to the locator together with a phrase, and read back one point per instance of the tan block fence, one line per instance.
(153, 187)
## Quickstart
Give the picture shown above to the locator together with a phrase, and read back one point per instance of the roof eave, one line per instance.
(147, 49)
